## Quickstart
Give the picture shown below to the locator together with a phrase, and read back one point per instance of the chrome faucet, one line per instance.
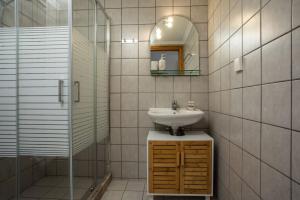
(174, 105)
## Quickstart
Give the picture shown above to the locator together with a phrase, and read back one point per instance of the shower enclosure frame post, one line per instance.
(70, 99)
(18, 168)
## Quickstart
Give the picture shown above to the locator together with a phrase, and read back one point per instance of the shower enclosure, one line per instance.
(54, 98)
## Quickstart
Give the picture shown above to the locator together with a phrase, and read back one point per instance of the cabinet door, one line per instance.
(195, 172)
(164, 166)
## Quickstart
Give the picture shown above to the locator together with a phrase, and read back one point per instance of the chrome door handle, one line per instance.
(77, 85)
(60, 91)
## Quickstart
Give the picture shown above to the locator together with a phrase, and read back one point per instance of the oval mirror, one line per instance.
(174, 46)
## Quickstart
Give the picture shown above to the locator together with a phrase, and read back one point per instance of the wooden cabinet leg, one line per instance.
(207, 198)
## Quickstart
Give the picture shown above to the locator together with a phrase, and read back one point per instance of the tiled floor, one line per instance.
(57, 187)
(134, 189)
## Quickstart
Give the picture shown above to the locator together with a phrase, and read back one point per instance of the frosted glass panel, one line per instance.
(43, 119)
(8, 92)
(102, 78)
(83, 88)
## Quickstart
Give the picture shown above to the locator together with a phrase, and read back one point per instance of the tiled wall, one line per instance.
(133, 90)
(255, 114)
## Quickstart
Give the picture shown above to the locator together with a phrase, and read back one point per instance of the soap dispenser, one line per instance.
(162, 62)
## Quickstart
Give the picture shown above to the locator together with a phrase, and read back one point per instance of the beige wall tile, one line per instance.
(129, 67)
(129, 135)
(235, 186)
(251, 171)
(276, 98)
(130, 3)
(276, 19)
(251, 34)
(236, 131)
(146, 3)
(295, 191)
(296, 105)
(276, 141)
(236, 17)
(250, 7)
(251, 137)
(274, 186)
(112, 3)
(252, 68)
(130, 16)
(295, 12)
(130, 153)
(252, 103)
(295, 156)
(276, 60)
(199, 14)
(295, 53)
(164, 3)
(146, 15)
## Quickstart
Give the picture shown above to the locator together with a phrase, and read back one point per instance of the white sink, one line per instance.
(175, 118)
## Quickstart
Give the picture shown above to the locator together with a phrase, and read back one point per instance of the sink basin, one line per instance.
(175, 118)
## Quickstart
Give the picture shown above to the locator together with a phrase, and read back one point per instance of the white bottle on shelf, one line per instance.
(162, 62)
(154, 65)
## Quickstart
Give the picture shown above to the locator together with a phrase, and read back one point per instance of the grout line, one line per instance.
(242, 50)
(229, 55)
(291, 138)
(121, 72)
(138, 96)
(261, 99)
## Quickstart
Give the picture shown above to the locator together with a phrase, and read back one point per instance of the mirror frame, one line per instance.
(178, 48)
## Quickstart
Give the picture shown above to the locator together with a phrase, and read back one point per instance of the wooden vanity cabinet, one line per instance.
(180, 167)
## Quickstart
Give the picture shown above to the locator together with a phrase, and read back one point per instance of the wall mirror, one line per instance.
(174, 47)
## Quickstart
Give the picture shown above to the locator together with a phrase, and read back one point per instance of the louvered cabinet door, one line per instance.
(164, 166)
(195, 172)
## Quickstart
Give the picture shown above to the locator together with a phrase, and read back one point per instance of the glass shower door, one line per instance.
(43, 99)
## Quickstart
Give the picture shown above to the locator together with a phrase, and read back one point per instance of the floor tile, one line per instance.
(77, 195)
(112, 195)
(132, 195)
(83, 182)
(135, 185)
(117, 185)
(49, 181)
(56, 193)
(36, 191)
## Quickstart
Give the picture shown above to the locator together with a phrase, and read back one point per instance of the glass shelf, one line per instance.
(175, 73)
